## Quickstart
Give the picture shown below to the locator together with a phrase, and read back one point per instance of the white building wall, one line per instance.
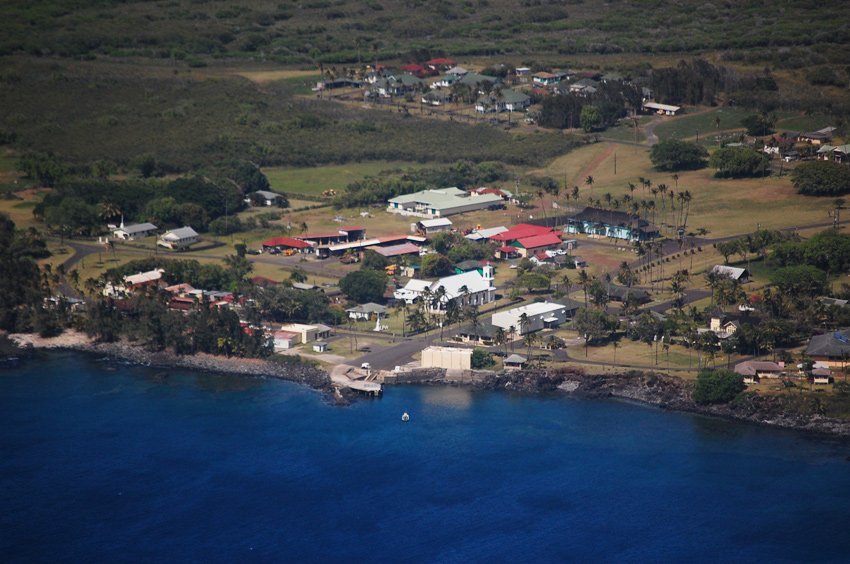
(449, 358)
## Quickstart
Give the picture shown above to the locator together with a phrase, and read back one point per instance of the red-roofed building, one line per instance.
(507, 252)
(521, 231)
(529, 246)
(440, 63)
(282, 243)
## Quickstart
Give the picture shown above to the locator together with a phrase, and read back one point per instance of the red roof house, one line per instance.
(521, 231)
(285, 243)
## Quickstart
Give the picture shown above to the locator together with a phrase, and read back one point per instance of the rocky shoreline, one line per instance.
(650, 388)
(301, 373)
(668, 392)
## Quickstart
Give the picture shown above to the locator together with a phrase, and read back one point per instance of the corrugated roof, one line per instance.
(536, 241)
(520, 231)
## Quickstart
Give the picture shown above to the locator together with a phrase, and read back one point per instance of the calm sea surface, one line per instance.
(103, 462)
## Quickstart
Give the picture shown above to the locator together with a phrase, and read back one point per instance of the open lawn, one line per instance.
(722, 207)
(625, 131)
(314, 180)
(803, 123)
(701, 122)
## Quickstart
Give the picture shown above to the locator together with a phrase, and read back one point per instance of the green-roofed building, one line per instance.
(442, 202)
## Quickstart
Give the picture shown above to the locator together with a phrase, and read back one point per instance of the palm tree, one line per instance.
(584, 282)
(511, 337)
(530, 340)
(501, 338)
(589, 182)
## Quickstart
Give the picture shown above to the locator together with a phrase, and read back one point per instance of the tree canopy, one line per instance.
(737, 162)
(821, 178)
(717, 386)
(672, 155)
(364, 285)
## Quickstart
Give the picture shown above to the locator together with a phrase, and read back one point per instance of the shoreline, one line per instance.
(300, 373)
(648, 388)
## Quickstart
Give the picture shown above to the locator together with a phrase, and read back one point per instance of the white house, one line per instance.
(431, 226)
(537, 316)
(469, 288)
(367, 311)
(285, 340)
(733, 272)
(266, 197)
(308, 333)
(178, 238)
(134, 231)
(661, 109)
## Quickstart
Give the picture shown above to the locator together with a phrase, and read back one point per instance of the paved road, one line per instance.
(387, 358)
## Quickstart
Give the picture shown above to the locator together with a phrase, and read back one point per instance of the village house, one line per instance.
(469, 288)
(819, 137)
(285, 340)
(290, 245)
(755, 370)
(482, 334)
(623, 293)
(441, 203)
(526, 240)
(396, 85)
(428, 227)
(437, 97)
(367, 312)
(308, 333)
(176, 239)
(545, 78)
(721, 325)
(611, 223)
(506, 100)
(830, 350)
(737, 274)
(514, 362)
(134, 231)
(584, 87)
(531, 317)
(661, 109)
(264, 197)
(135, 282)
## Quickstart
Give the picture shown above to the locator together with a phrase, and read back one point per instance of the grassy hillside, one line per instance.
(348, 31)
(86, 111)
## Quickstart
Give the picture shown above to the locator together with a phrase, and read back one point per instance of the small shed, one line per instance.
(320, 346)
(515, 362)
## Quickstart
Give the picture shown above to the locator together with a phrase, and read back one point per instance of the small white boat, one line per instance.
(405, 417)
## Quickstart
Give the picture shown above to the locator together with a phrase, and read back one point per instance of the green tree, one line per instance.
(590, 118)
(364, 286)
(435, 265)
(737, 162)
(481, 359)
(821, 178)
(374, 261)
(758, 124)
(717, 386)
(673, 155)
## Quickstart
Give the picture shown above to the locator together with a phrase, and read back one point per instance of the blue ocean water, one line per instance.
(103, 462)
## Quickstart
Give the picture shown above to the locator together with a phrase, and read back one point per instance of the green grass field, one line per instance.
(314, 180)
(704, 122)
(625, 132)
(804, 123)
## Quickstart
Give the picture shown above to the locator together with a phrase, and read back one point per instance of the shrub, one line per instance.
(482, 359)
(717, 386)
